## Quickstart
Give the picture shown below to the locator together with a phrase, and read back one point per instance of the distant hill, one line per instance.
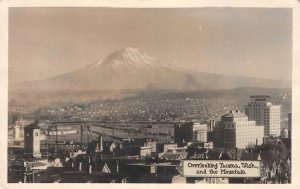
(130, 69)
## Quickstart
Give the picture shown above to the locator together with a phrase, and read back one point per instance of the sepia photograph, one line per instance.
(194, 95)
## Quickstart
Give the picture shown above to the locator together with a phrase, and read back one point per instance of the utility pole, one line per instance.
(56, 141)
(100, 141)
(169, 135)
(56, 134)
(48, 141)
(81, 131)
(88, 133)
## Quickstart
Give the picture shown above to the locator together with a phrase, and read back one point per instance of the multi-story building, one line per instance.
(145, 151)
(190, 131)
(210, 130)
(32, 140)
(236, 131)
(211, 125)
(17, 131)
(261, 110)
(164, 147)
(152, 144)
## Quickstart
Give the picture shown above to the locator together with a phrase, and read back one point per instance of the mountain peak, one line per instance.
(128, 56)
(130, 49)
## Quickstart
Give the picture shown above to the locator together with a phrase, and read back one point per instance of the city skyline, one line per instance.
(100, 151)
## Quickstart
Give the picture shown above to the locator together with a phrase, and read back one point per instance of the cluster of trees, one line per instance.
(279, 154)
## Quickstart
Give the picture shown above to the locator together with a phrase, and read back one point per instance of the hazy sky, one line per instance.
(255, 42)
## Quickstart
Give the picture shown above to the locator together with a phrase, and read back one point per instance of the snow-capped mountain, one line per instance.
(129, 68)
(128, 56)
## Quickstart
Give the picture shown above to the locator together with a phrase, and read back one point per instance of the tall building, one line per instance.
(18, 129)
(261, 110)
(17, 132)
(211, 125)
(190, 131)
(210, 130)
(32, 140)
(236, 131)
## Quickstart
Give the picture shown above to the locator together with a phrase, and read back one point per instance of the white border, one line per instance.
(5, 4)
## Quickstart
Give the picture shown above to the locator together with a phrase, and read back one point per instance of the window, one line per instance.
(36, 134)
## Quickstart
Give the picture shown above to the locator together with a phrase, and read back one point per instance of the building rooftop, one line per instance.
(174, 156)
(34, 125)
(234, 114)
(260, 96)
